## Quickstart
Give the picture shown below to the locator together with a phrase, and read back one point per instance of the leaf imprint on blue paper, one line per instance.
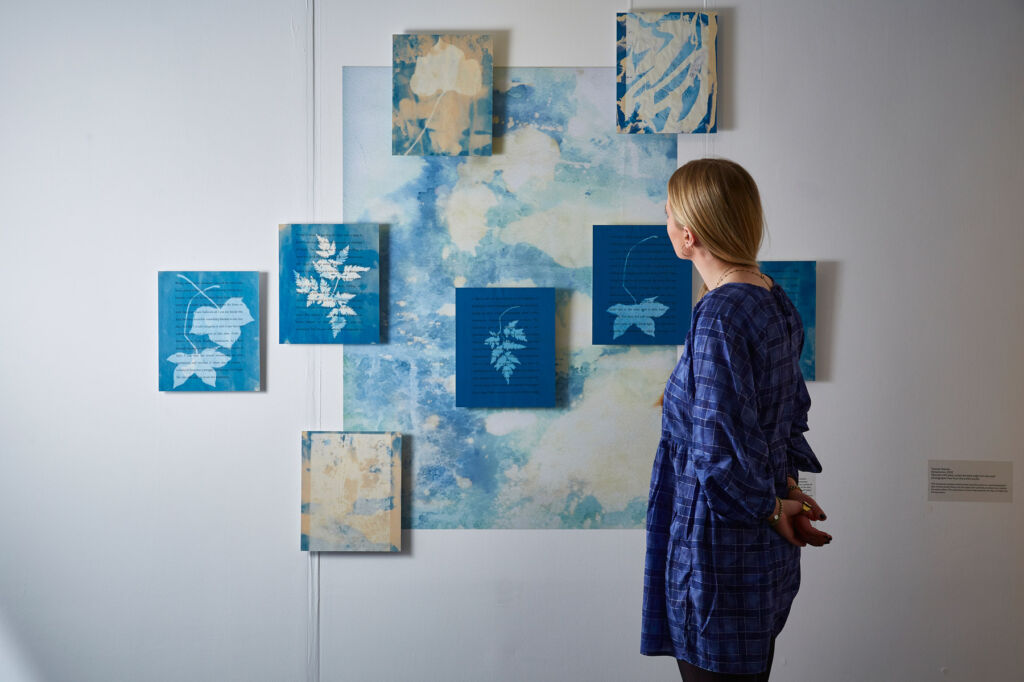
(323, 288)
(221, 324)
(639, 314)
(502, 344)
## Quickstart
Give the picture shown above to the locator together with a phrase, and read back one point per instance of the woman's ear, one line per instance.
(689, 238)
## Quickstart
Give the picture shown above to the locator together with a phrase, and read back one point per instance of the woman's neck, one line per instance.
(712, 269)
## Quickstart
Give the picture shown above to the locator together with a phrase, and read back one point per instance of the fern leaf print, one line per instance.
(503, 343)
(322, 289)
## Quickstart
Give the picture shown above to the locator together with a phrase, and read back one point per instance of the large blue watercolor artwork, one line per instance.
(642, 290)
(209, 331)
(667, 72)
(523, 217)
(442, 94)
(505, 347)
(329, 284)
(351, 485)
(799, 279)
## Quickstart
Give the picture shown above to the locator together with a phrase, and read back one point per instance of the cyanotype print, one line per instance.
(442, 95)
(667, 72)
(351, 492)
(505, 347)
(329, 283)
(642, 291)
(799, 279)
(521, 219)
(209, 331)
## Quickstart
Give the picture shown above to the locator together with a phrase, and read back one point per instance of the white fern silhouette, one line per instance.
(323, 290)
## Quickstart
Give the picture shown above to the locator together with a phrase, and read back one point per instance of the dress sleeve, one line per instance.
(731, 453)
(799, 453)
(655, 637)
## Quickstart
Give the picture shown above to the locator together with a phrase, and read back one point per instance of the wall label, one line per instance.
(955, 480)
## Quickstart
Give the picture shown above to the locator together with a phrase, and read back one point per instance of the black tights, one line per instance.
(691, 673)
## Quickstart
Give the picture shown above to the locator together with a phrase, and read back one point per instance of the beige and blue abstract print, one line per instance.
(667, 73)
(442, 95)
(522, 218)
(351, 498)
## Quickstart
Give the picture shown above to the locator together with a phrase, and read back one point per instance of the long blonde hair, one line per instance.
(718, 200)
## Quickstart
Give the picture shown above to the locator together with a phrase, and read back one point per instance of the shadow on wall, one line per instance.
(828, 301)
(14, 664)
(726, 58)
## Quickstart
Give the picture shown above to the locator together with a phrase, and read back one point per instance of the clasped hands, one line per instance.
(795, 522)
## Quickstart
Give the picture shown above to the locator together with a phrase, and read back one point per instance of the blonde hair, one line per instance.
(718, 200)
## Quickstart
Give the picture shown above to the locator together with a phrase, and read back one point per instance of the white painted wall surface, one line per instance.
(149, 536)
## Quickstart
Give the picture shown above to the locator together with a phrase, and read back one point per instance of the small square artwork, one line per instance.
(799, 279)
(329, 283)
(505, 347)
(442, 95)
(351, 492)
(642, 290)
(209, 331)
(667, 72)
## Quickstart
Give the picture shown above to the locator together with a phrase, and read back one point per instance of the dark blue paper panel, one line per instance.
(329, 283)
(799, 279)
(642, 290)
(209, 331)
(505, 347)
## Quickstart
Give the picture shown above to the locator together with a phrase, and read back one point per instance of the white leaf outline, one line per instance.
(204, 363)
(323, 292)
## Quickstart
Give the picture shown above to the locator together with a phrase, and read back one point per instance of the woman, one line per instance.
(726, 519)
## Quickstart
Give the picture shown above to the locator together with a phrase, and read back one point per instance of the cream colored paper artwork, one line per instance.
(442, 95)
(351, 500)
(667, 72)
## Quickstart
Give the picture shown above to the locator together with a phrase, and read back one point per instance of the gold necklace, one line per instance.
(725, 274)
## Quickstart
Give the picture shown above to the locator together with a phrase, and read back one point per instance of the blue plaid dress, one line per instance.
(718, 582)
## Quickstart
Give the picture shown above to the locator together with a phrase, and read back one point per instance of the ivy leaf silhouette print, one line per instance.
(639, 314)
(223, 325)
(502, 344)
(203, 364)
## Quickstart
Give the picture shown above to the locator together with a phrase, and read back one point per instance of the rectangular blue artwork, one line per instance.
(329, 283)
(505, 347)
(209, 331)
(799, 279)
(667, 73)
(521, 218)
(642, 290)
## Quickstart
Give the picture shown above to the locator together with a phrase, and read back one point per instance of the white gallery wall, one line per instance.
(154, 536)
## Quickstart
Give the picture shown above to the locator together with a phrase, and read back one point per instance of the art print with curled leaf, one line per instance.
(208, 320)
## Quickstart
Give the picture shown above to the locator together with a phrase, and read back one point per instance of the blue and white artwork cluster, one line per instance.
(667, 72)
(508, 225)
(642, 290)
(209, 331)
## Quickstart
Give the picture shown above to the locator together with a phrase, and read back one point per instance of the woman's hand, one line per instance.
(785, 527)
(803, 530)
(816, 513)
(795, 524)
